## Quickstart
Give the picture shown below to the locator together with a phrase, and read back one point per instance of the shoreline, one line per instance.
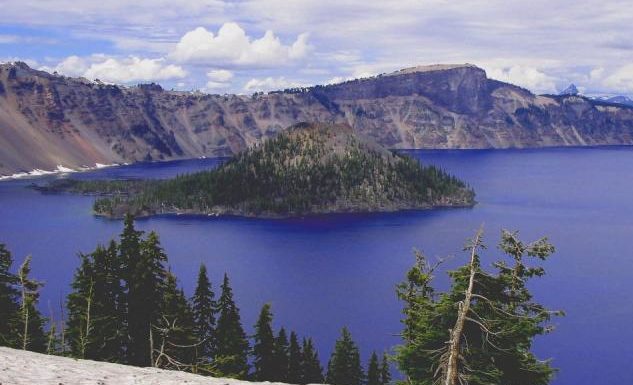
(60, 170)
(232, 213)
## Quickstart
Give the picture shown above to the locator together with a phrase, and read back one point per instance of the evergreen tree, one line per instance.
(107, 292)
(295, 360)
(203, 305)
(130, 255)
(344, 367)
(232, 346)
(173, 334)
(31, 323)
(264, 346)
(312, 372)
(281, 357)
(80, 324)
(481, 330)
(146, 283)
(9, 302)
(373, 371)
(385, 371)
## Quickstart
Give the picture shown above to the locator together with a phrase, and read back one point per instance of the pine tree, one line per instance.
(263, 347)
(9, 302)
(107, 292)
(130, 255)
(373, 371)
(385, 371)
(281, 357)
(31, 323)
(232, 346)
(312, 372)
(146, 282)
(295, 360)
(481, 330)
(344, 367)
(173, 334)
(80, 324)
(203, 305)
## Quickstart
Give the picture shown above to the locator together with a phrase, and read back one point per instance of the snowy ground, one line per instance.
(18, 367)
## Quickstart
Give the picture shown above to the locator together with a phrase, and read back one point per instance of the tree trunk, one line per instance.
(454, 349)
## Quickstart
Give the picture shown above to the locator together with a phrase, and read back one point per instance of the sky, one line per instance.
(243, 46)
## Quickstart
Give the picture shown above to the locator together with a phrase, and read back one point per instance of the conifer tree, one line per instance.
(96, 322)
(232, 346)
(264, 346)
(281, 356)
(31, 323)
(146, 283)
(107, 292)
(373, 371)
(9, 302)
(481, 330)
(385, 371)
(295, 360)
(312, 372)
(203, 306)
(344, 367)
(80, 324)
(173, 334)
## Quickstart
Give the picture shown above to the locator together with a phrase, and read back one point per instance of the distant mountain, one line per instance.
(307, 169)
(570, 90)
(48, 120)
(623, 100)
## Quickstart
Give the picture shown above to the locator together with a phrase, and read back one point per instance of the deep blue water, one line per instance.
(321, 273)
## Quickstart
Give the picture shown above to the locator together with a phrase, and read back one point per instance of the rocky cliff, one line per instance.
(48, 120)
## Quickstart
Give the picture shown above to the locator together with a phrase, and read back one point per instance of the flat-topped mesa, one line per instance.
(463, 88)
(307, 169)
(432, 67)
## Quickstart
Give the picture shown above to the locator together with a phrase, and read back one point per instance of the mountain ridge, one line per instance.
(48, 120)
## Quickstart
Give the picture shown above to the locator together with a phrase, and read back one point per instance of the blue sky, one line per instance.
(245, 46)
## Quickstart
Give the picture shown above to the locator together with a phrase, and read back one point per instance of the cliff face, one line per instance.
(48, 120)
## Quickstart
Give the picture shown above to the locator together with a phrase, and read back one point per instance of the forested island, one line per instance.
(308, 169)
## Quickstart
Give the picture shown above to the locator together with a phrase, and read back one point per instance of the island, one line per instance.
(310, 168)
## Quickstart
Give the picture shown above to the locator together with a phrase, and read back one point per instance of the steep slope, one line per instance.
(19, 367)
(308, 169)
(46, 120)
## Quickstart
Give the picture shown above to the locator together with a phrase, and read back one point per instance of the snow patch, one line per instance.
(60, 169)
(19, 367)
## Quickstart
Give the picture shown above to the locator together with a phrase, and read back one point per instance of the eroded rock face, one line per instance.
(46, 120)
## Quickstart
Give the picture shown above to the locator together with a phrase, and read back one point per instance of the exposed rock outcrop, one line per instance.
(47, 120)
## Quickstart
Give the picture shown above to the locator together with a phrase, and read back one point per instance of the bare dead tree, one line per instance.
(85, 333)
(159, 356)
(28, 291)
(451, 370)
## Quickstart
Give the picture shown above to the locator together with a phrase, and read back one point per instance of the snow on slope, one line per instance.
(18, 367)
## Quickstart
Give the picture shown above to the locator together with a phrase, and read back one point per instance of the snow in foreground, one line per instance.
(18, 367)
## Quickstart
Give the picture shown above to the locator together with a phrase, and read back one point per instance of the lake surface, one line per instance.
(321, 273)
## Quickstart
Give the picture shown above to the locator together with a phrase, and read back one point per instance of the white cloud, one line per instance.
(221, 76)
(232, 46)
(621, 80)
(527, 77)
(118, 70)
(219, 81)
(270, 84)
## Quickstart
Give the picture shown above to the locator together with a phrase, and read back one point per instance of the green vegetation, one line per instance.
(127, 307)
(481, 330)
(308, 169)
(21, 324)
